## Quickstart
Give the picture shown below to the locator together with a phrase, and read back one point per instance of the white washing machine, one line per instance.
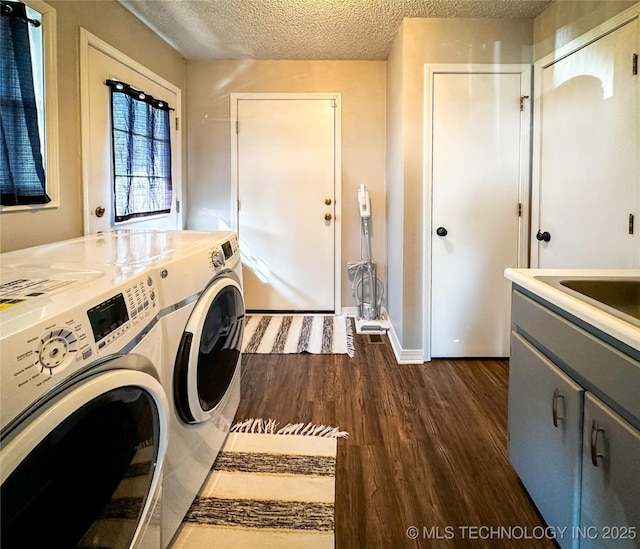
(202, 314)
(83, 415)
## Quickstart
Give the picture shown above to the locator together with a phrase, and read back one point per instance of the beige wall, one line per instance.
(564, 21)
(396, 121)
(362, 85)
(420, 42)
(114, 24)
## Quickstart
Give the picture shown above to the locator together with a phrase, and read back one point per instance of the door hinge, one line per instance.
(631, 220)
(522, 98)
(519, 209)
(177, 124)
(177, 206)
(238, 205)
(634, 69)
(237, 127)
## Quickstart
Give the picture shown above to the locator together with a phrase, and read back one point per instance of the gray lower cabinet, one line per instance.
(577, 457)
(545, 435)
(610, 511)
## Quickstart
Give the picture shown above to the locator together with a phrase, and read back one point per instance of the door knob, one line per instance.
(441, 231)
(543, 236)
(328, 216)
(100, 211)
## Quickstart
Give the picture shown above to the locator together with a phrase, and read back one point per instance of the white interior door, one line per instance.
(477, 173)
(100, 63)
(586, 175)
(286, 172)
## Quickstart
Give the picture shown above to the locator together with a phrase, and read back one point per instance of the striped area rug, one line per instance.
(285, 334)
(269, 489)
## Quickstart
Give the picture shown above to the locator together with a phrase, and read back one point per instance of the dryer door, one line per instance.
(209, 351)
(84, 468)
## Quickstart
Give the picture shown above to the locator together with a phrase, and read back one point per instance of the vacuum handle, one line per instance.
(363, 202)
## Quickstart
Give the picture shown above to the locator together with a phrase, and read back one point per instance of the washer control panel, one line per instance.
(113, 317)
(222, 253)
(40, 356)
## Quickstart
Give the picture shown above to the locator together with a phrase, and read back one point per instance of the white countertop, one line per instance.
(615, 327)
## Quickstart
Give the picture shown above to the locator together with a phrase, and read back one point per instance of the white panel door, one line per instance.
(97, 147)
(588, 157)
(476, 170)
(286, 158)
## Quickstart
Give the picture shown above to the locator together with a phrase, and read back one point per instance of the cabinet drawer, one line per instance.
(598, 366)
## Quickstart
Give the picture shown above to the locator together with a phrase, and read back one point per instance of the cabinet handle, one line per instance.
(595, 429)
(554, 407)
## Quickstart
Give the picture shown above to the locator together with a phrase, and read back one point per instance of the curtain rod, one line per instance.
(8, 10)
(129, 90)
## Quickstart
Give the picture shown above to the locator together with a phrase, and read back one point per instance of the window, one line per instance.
(28, 97)
(141, 153)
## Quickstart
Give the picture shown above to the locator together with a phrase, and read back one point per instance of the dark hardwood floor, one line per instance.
(426, 446)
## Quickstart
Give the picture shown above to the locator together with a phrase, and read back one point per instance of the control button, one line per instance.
(149, 281)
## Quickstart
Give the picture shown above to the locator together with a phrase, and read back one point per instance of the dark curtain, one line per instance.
(21, 167)
(141, 153)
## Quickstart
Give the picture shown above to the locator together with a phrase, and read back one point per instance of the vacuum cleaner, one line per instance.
(366, 287)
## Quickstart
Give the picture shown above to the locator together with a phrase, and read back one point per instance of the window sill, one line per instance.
(30, 207)
(137, 220)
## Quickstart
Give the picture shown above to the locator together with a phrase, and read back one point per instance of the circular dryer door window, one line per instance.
(84, 472)
(209, 351)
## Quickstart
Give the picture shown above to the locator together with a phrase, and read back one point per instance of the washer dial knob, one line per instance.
(56, 348)
(217, 258)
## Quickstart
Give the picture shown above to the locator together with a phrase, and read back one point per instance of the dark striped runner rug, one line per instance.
(285, 334)
(267, 489)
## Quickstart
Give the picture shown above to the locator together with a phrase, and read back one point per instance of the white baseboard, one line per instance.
(403, 356)
(350, 311)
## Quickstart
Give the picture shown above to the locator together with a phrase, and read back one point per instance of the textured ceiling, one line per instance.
(302, 29)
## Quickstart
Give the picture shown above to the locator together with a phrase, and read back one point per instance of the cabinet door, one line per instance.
(610, 512)
(545, 434)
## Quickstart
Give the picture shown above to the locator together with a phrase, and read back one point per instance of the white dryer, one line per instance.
(83, 415)
(202, 315)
